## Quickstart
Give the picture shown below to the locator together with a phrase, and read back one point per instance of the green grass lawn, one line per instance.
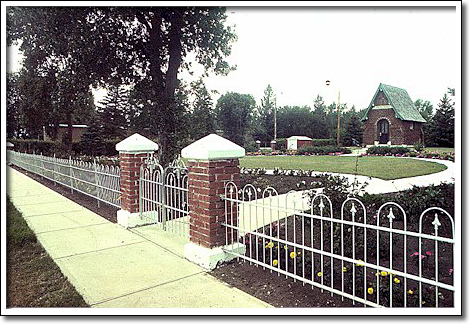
(33, 278)
(387, 168)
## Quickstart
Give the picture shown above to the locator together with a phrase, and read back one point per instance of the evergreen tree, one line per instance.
(113, 112)
(202, 118)
(92, 138)
(266, 115)
(441, 128)
(320, 118)
(353, 132)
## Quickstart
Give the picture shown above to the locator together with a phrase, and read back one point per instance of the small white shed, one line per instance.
(296, 142)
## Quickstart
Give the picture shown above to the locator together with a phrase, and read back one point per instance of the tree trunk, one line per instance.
(174, 49)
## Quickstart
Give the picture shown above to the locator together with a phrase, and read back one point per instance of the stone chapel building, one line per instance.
(392, 118)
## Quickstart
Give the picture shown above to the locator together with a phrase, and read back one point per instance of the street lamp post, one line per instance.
(337, 134)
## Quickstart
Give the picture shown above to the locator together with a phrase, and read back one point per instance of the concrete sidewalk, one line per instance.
(114, 267)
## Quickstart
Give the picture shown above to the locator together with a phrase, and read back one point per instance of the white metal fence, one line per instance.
(95, 180)
(380, 259)
(164, 196)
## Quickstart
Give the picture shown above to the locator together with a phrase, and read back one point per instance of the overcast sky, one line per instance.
(296, 49)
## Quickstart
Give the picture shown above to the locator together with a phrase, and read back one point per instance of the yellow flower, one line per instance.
(377, 274)
(269, 245)
(384, 273)
(396, 280)
(370, 290)
(285, 247)
(410, 292)
(320, 274)
(275, 262)
(344, 269)
(360, 263)
(292, 255)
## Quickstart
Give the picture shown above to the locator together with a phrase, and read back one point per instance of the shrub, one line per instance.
(388, 150)
(321, 150)
(441, 195)
(49, 148)
(323, 142)
(281, 144)
(418, 146)
(251, 146)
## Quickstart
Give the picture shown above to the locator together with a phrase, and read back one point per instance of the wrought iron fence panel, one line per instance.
(95, 180)
(164, 196)
(375, 259)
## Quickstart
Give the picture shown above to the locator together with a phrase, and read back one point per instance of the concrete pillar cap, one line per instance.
(136, 143)
(213, 147)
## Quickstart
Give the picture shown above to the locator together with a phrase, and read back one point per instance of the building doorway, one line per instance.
(384, 131)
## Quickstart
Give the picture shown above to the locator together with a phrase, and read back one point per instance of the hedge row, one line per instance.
(324, 142)
(322, 150)
(391, 150)
(49, 148)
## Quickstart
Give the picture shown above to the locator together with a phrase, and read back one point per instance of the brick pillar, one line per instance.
(132, 153)
(206, 183)
(130, 169)
(213, 161)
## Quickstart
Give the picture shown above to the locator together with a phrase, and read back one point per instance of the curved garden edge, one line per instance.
(378, 186)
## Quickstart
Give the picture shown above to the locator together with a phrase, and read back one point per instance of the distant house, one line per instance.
(392, 118)
(77, 132)
(296, 142)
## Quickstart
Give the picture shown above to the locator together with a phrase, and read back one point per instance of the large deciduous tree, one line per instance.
(58, 44)
(142, 46)
(14, 112)
(152, 44)
(234, 111)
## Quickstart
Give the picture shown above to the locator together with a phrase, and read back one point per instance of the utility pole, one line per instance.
(338, 111)
(275, 119)
(337, 136)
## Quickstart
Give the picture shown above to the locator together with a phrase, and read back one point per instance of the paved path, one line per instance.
(114, 267)
(261, 212)
(377, 186)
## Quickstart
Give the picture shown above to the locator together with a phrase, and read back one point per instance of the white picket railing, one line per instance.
(378, 260)
(101, 182)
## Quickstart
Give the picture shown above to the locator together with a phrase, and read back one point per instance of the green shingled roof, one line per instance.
(401, 103)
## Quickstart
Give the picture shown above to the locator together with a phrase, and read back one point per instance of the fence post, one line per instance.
(41, 159)
(132, 153)
(54, 160)
(213, 161)
(70, 174)
(98, 189)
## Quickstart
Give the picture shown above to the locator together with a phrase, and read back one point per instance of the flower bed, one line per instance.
(424, 155)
